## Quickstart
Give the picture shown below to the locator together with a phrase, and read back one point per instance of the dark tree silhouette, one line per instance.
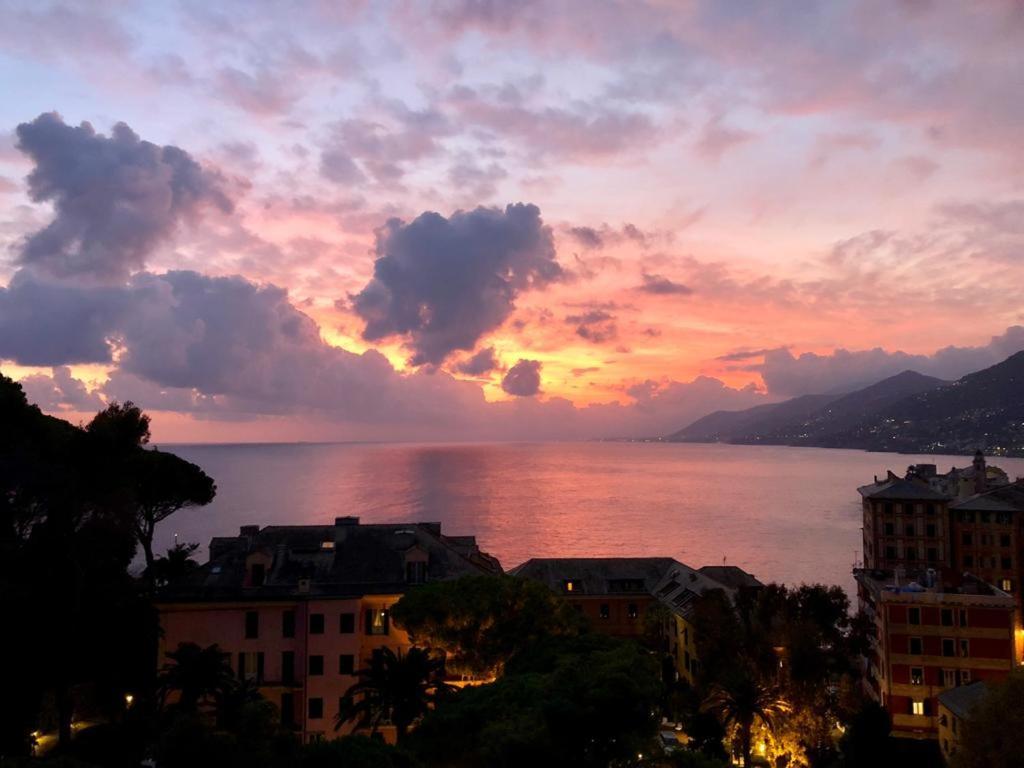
(175, 566)
(397, 688)
(198, 675)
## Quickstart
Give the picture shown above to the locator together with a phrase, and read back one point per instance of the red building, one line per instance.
(928, 638)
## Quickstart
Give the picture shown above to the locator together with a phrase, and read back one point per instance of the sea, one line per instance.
(790, 515)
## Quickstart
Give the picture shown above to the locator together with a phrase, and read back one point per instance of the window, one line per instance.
(917, 676)
(965, 649)
(947, 617)
(570, 586)
(929, 509)
(250, 666)
(346, 664)
(316, 623)
(415, 572)
(252, 625)
(890, 529)
(1004, 540)
(259, 574)
(890, 553)
(287, 667)
(626, 585)
(913, 615)
(316, 665)
(911, 553)
(888, 508)
(948, 678)
(914, 646)
(377, 621)
(984, 517)
(963, 677)
(963, 617)
(1006, 585)
(288, 710)
(933, 554)
(968, 561)
(605, 611)
(948, 647)
(316, 709)
(632, 611)
(917, 707)
(967, 539)
(929, 530)
(1006, 563)
(347, 623)
(909, 529)
(288, 624)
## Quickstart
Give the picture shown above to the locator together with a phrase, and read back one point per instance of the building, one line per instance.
(616, 594)
(301, 608)
(928, 638)
(955, 707)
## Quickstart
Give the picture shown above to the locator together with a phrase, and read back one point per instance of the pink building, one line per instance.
(301, 608)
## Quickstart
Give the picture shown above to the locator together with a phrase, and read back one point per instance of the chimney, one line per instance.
(979, 472)
(342, 526)
(249, 533)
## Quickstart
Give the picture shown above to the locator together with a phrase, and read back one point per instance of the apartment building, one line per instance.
(616, 593)
(930, 637)
(301, 608)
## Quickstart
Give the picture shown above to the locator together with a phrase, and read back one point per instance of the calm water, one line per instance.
(785, 514)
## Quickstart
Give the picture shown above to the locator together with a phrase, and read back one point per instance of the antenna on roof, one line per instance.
(723, 559)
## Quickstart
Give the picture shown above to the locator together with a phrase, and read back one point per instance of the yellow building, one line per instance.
(955, 707)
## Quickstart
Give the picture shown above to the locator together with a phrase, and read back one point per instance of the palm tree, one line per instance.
(740, 700)
(196, 673)
(399, 688)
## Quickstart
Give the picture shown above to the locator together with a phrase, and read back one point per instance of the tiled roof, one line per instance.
(730, 576)
(597, 575)
(1005, 498)
(345, 559)
(901, 488)
(961, 700)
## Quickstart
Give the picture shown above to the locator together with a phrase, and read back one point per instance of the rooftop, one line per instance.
(1005, 498)
(344, 559)
(961, 700)
(596, 575)
(730, 576)
(898, 488)
(927, 586)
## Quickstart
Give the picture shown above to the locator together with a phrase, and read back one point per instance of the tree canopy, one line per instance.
(479, 622)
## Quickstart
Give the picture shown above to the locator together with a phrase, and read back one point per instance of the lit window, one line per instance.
(1006, 585)
(570, 585)
(632, 611)
(377, 621)
(916, 676)
(918, 708)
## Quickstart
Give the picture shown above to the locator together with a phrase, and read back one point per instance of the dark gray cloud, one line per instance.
(523, 379)
(443, 283)
(484, 361)
(660, 285)
(51, 322)
(597, 325)
(738, 355)
(588, 237)
(115, 197)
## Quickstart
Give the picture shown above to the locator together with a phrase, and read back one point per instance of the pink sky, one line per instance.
(723, 204)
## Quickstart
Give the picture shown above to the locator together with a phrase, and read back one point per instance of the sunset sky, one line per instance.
(492, 219)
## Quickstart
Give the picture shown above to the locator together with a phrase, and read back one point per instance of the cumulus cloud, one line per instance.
(523, 379)
(660, 285)
(843, 370)
(484, 361)
(115, 197)
(60, 391)
(44, 321)
(596, 325)
(442, 283)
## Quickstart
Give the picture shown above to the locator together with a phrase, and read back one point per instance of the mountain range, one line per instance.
(909, 413)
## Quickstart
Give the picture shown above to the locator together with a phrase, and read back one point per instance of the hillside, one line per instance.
(981, 410)
(729, 426)
(908, 412)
